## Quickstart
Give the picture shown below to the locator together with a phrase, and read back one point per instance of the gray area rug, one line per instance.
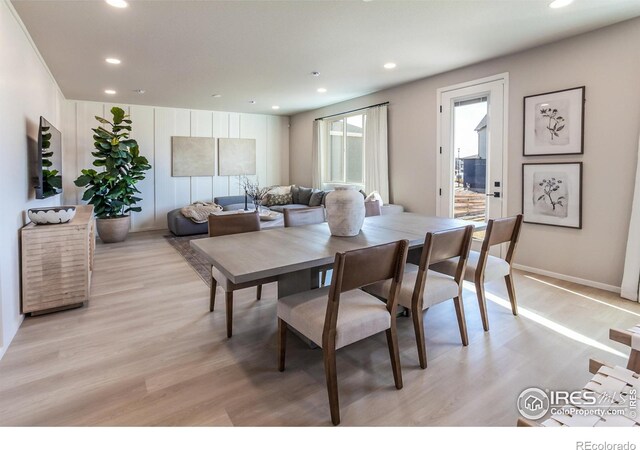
(198, 264)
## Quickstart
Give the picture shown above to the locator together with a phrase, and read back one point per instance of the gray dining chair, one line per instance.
(483, 267)
(336, 316)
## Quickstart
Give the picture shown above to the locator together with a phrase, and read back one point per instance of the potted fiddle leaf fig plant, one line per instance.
(112, 190)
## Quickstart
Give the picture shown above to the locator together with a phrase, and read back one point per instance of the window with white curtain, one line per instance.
(351, 148)
(343, 156)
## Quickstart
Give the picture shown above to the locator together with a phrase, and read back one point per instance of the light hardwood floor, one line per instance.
(146, 351)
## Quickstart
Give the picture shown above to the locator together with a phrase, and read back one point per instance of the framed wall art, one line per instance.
(554, 123)
(236, 156)
(552, 194)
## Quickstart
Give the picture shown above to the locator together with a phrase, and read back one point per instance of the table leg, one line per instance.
(299, 281)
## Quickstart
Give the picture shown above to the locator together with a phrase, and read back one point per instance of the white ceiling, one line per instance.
(182, 52)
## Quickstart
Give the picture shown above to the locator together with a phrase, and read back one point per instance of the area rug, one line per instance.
(196, 262)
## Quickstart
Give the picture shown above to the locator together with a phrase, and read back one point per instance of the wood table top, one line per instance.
(262, 254)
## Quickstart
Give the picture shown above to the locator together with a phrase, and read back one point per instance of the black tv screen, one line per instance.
(49, 160)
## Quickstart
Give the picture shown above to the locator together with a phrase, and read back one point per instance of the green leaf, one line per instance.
(118, 115)
(82, 180)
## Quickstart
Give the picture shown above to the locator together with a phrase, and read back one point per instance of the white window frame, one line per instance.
(326, 152)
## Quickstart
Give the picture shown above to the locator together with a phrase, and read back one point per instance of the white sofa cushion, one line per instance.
(360, 315)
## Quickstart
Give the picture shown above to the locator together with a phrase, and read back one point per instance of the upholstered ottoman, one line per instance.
(182, 226)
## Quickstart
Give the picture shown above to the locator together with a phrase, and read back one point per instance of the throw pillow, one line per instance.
(304, 196)
(374, 196)
(295, 194)
(280, 190)
(316, 198)
(277, 199)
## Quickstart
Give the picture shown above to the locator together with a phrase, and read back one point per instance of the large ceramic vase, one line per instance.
(113, 229)
(345, 211)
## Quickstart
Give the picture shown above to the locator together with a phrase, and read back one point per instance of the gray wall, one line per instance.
(607, 62)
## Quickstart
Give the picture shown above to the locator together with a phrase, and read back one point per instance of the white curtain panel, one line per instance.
(316, 153)
(376, 158)
(631, 277)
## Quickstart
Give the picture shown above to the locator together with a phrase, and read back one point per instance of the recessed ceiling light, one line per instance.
(139, 91)
(109, 91)
(559, 3)
(113, 60)
(390, 65)
(275, 107)
(118, 3)
(216, 95)
(322, 90)
(253, 102)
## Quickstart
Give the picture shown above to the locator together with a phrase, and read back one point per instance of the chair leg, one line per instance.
(282, 343)
(512, 294)
(212, 294)
(229, 302)
(462, 323)
(324, 278)
(259, 292)
(482, 303)
(332, 382)
(394, 354)
(419, 331)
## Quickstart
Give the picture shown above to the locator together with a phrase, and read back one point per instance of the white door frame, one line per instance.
(505, 130)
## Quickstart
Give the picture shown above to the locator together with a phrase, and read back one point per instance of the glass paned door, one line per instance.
(471, 184)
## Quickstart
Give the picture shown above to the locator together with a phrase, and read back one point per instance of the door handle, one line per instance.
(494, 194)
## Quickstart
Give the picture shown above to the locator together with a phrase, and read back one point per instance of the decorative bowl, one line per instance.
(51, 215)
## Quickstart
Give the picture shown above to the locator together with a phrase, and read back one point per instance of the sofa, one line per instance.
(297, 197)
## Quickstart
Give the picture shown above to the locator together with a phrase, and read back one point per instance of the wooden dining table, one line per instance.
(296, 255)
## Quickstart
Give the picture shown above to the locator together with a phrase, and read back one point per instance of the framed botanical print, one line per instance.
(554, 123)
(552, 194)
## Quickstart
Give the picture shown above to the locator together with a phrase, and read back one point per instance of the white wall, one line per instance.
(27, 91)
(607, 62)
(153, 128)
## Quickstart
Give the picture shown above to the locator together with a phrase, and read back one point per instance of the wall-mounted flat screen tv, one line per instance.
(49, 160)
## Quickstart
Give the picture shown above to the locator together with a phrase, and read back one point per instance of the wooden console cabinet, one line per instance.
(57, 261)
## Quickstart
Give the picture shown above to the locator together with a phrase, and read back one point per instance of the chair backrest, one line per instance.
(372, 208)
(303, 216)
(357, 268)
(445, 245)
(223, 224)
(500, 231)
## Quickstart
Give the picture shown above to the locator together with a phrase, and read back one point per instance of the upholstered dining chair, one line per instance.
(423, 288)
(372, 208)
(483, 267)
(341, 314)
(222, 225)
(306, 216)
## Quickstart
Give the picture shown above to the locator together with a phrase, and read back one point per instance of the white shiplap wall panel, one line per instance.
(234, 132)
(143, 132)
(153, 128)
(85, 121)
(70, 170)
(254, 126)
(201, 126)
(171, 192)
(220, 129)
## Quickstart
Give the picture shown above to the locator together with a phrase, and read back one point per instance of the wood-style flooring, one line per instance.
(146, 351)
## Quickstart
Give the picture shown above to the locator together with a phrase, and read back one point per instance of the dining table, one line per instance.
(296, 255)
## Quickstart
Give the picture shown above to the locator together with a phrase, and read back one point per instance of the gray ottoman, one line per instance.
(182, 226)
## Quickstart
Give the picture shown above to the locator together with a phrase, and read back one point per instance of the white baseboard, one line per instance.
(560, 276)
